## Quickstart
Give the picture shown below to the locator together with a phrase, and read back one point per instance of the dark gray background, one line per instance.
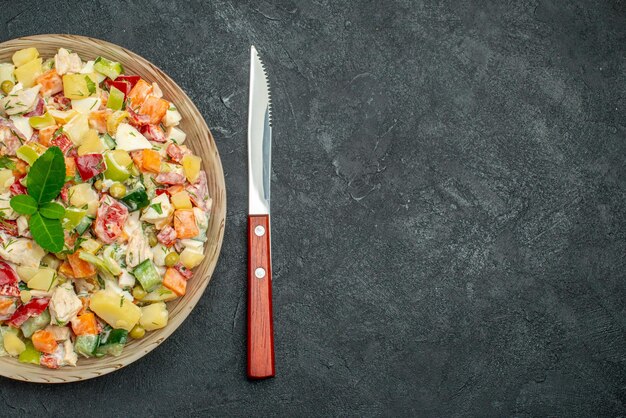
(448, 197)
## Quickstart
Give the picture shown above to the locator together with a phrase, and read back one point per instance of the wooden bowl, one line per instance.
(200, 140)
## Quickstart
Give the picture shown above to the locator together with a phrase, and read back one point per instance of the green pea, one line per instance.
(137, 332)
(117, 190)
(139, 293)
(171, 259)
(7, 86)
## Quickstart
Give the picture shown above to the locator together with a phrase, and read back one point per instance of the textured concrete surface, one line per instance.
(449, 208)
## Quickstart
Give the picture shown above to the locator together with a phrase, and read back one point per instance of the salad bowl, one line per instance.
(200, 141)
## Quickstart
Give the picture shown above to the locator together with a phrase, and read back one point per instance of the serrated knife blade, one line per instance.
(260, 323)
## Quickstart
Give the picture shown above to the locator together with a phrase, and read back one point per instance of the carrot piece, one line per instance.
(85, 324)
(175, 281)
(85, 301)
(45, 135)
(177, 188)
(185, 223)
(139, 92)
(20, 168)
(98, 120)
(155, 108)
(50, 82)
(70, 166)
(81, 268)
(151, 160)
(66, 270)
(5, 305)
(44, 341)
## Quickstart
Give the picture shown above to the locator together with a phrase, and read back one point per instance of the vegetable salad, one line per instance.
(103, 209)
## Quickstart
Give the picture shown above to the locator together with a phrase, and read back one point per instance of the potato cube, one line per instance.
(154, 316)
(27, 74)
(91, 144)
(79, 86)
(45, 279)
(181, 200)
(12, 344)
(115, 310)
(22, 56)
(77, 128)
(191, 258)
(191, 165)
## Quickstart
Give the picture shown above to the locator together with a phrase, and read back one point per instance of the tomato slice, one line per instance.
(90, 165)
(33, 308)
(110, 219)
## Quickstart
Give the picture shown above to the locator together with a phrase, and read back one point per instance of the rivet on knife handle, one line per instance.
(260, 326)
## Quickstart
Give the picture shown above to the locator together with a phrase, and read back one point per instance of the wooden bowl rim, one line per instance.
(91, 368)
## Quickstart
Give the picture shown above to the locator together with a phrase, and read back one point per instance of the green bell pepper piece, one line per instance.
(84, 225)
(29, 355)
(109, 68)
(116, 99)
(147, 275)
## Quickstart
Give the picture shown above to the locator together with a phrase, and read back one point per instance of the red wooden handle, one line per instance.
(260, 326)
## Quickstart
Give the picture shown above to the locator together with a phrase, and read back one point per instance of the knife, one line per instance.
(260, 324)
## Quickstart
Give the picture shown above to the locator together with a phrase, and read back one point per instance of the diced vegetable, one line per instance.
(6, 72)
(85, 324)
(115, 310)
(181, 200)
(147, 275)
(185, 224)
(151, 161)
(83, 225)
(23, 56)
(191, 258)
(174, 281)
(139, 93)
(117, 162)
(83, 194)
(91, 246)
(30, 354)
(13, 345)
(114, 120)
(29, 72)
(86, 345)
(91, 143)
(44, 341)
(137, 332)
(154, 316)
(90, 165)
(191, 165)
(116, 99)
(80, 267)
(73, 216)
(136, 199)
(45, 279)
(155, 108)
(35, 323)
(112, 342)
(109, 68)
(77, 128)
(40, 122)
(78, 86)
(86, 105)
(130, 139)
(27, 153)
(109, 142)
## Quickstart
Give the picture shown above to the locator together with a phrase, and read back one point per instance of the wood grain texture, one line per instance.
(260, 324)
(200, 140)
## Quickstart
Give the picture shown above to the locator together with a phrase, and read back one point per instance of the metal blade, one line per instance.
(259, 138)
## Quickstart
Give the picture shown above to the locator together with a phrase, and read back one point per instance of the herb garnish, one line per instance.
(6, 162)
(157, 208)
(45, 180)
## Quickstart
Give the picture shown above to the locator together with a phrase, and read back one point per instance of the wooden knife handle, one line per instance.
(260, 324)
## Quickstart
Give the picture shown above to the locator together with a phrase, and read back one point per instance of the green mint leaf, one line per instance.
(52, 210)
(6, 162)
(48, 233)
(24, 204)
(157, 208)
(91, 86)
(47, 175)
